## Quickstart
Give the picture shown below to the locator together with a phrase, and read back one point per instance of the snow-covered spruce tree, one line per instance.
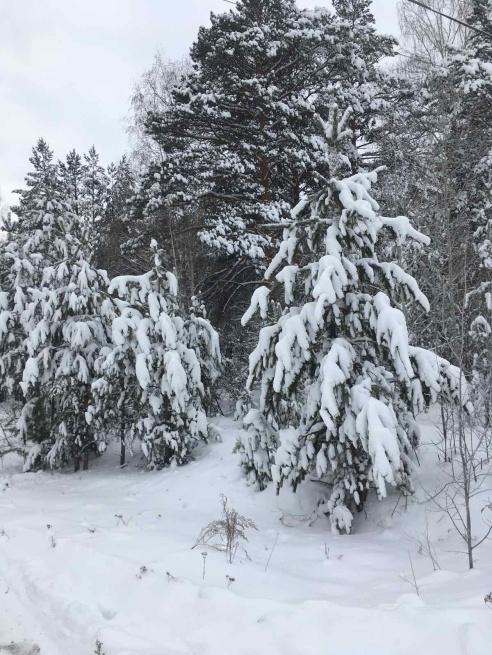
(339, 383)
(153, 370)
(12, 354)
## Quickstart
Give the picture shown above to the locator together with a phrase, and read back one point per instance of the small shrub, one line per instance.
(99, 648)
(143, 571)
(226, 533)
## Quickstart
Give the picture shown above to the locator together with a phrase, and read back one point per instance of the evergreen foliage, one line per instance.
(340, 385)
(471, 129)
(248, 159)
(151, 375)
(236, 141)
(52, 331)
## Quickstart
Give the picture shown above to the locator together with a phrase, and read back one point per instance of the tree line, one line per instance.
(282, 186)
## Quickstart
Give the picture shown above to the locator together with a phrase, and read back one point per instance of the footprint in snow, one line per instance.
(106, 613)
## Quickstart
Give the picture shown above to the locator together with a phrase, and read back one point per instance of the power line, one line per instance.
(452, 18)
(435, 11)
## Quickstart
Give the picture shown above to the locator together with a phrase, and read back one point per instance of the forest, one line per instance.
(281, 293)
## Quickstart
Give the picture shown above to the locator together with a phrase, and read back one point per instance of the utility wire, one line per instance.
(452, 18)
(435, 11)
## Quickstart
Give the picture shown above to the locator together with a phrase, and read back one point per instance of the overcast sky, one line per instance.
(67, 68)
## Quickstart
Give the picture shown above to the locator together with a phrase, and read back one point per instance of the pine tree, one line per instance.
(14, 272)
(95, 195)
(41, 181)
(203, 339)
(340, 384)
(95, 184)
(114, 225)
(24, 252)
(63, 332)
(153, 370)
(115, 405)
(52, 322)
(242, 119)
(71, 174)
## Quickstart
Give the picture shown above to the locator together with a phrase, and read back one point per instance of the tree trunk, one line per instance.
(122, 452)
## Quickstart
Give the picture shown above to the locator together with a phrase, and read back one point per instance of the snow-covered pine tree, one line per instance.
(237, 146)
(13, 269)
(50, 327)
(114, 226)
(242, 119)
(479, 299)
(41, 182)
(115, 406)
(154, 367)
(24, 253)
(63, 332)
(205, 342)
(71, 174)
(95, 184)
(339, 382)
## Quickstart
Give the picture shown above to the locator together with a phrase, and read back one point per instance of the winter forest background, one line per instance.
(281, 291)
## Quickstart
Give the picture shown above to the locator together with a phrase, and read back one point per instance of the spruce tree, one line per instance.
(339, 382)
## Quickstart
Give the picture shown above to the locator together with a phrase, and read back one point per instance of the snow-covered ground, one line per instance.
(72, 548)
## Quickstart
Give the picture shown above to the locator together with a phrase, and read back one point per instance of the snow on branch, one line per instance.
(259, 301)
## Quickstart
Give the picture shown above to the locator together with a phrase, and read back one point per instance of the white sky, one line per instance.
(67, 68)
